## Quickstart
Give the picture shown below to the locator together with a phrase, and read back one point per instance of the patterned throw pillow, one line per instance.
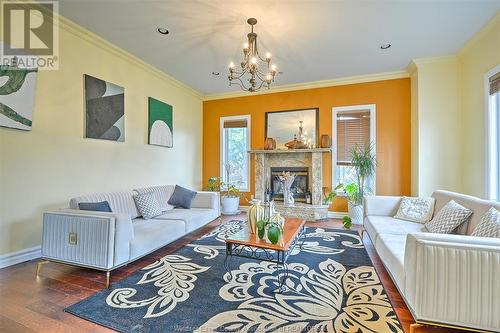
(416, 209)
(147, 205)
(489, 225)
(448, 218)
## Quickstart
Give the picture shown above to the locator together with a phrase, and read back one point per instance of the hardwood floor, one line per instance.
(28, 304)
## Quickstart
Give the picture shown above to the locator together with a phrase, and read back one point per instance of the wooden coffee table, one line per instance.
(248, 245)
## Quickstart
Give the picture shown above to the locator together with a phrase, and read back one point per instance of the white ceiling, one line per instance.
(310, 40)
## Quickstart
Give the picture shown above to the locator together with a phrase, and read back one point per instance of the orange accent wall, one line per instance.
(392, 98)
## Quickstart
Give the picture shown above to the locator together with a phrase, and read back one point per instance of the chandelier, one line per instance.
(255, 72)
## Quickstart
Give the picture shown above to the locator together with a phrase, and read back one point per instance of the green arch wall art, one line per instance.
(160, 124)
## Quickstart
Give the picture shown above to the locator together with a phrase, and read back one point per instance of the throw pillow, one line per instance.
(489, 225)
(147, 205)
(449, 218)
(102, 206)
(416, 209)
(182, 197)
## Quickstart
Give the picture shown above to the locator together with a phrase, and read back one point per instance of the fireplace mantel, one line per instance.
(290, 151)
(310, 158)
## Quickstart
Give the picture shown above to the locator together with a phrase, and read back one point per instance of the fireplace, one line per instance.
(299, 187)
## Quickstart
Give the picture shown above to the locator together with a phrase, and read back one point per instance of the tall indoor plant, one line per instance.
(364, 163)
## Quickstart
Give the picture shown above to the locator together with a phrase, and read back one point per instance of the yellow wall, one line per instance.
(436, 125)
(479, 56)
(45, 167)
(392, 98)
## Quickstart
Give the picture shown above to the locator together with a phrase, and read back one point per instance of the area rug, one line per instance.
(332, 287)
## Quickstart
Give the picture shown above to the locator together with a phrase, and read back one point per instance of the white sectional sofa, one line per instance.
(445, 279)
(106, 241)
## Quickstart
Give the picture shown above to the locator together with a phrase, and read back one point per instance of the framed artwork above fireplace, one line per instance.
(283, 126)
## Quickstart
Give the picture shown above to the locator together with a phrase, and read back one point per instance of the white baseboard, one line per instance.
(336, 215)
(17, 257)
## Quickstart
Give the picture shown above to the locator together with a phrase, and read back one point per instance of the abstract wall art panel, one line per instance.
(104, 110)
(17, 96)
(160, 125)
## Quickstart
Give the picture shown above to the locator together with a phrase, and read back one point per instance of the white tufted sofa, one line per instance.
(444, 279)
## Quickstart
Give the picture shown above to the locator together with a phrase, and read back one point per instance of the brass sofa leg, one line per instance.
(39, 266)
(108, 273)
(414, 326)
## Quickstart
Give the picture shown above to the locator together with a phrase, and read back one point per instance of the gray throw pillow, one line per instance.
(182, 197)
(102, 206)
(147, 205)
(450, 217)
(489, 225)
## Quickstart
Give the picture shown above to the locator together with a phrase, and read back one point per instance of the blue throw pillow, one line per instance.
(182, 197)
(95, 206)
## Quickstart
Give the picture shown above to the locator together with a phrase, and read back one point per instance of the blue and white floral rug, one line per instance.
(332, 287)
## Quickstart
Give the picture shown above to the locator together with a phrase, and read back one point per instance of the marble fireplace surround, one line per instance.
(310, 158)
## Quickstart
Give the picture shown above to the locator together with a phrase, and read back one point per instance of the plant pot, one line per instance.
(356, 213)
(230, 205)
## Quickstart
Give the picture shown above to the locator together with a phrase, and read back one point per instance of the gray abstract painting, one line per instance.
(104, 110)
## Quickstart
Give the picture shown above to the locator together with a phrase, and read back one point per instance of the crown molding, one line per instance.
(422, 61)
(80, 32)
(469, 45)
(314, 84)
(411, 68)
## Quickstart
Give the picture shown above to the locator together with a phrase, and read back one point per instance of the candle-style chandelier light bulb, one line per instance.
(256, 72)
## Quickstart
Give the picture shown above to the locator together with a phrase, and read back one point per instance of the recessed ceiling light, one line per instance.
(385, 46)
(163, 31)
(215, 73)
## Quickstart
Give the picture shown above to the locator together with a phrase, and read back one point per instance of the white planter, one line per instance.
(356, 213)
(230, 205)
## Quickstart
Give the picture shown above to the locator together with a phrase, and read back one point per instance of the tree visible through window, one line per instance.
(235, 144)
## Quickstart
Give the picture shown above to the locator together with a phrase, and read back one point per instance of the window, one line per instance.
(352, 126)
(492, 85)
(235, 142)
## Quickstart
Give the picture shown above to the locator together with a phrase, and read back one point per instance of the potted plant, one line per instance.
(364, 164)
(230, 194)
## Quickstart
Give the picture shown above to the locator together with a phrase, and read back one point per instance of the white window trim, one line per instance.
(487, 127)
(373, 135)
(222, 161)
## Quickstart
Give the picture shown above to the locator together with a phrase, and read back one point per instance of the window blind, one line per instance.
(495, 83)
(353, 128)
(237, 123)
